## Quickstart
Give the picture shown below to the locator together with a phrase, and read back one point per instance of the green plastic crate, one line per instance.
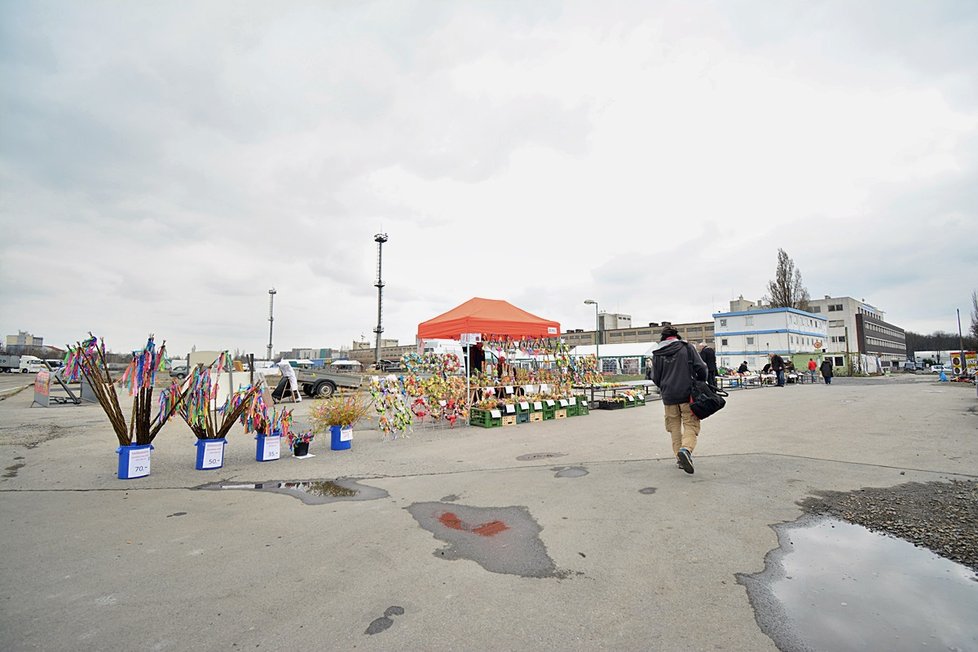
(484, 419)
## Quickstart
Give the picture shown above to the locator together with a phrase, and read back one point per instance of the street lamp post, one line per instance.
(271, 320)
(597, 331)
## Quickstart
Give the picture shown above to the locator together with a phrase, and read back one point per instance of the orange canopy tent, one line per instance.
(487, 316)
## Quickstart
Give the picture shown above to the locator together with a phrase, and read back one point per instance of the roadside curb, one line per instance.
(13, 392)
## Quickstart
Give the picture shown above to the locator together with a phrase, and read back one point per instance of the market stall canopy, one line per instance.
(488, 316)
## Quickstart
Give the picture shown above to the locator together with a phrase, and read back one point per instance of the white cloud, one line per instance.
(182, 160)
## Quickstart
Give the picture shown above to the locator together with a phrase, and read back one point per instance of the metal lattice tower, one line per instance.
(380, 239)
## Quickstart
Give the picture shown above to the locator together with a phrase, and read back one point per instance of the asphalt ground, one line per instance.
(643, 556)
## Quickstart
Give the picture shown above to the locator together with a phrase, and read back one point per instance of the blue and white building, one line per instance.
(752, 333)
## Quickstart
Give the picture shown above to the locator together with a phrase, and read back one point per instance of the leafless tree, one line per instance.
(786, 290)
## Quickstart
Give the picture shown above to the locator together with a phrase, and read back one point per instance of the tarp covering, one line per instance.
(489, 317)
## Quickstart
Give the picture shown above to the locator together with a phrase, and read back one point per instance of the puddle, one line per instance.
(569, 471)
(500, 539)
(648, 491)
(832, 585)
(311, 492)
(529, 457)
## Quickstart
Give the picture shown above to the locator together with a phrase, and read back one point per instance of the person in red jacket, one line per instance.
(812, 366)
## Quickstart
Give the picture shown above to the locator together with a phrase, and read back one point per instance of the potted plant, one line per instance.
(88, 359)
(299, 443)
(209, 422)
(338, 415)
(268, 426)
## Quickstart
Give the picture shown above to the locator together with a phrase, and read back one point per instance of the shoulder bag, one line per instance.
(704, 399)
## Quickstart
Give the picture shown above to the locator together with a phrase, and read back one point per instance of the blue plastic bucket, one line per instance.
(134, 461)
(210, 453)
(341, 437)
(268, 447)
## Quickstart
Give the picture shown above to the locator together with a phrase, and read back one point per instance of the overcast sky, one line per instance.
(162, 165)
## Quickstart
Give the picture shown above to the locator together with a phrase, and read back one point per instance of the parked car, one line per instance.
(938, 368)
(178, 369)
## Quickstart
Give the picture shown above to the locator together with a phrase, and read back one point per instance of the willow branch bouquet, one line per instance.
(88, 359)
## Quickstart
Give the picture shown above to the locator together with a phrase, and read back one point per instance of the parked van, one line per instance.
(30, 364)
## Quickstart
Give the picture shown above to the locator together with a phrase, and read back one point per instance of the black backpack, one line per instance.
(704, 399)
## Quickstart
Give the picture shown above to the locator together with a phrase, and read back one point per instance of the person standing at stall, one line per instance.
(476, 358)
(709, 357)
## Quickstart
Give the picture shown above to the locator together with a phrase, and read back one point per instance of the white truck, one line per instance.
(9, 363)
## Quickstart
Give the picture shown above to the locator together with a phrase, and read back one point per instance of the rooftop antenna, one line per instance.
(380, 239)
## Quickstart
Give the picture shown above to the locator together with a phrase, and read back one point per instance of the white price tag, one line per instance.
(640, 397)
(537, 405)
(630, 398)
(525, 405)
(139, 463)
(510, 408)
(346, 434)
(272, 448)
(544, 388)
(495, 414)
(573, 400)
(563, 402)
(509, 389)
(550, 402)
(213, 455)
(528, 389)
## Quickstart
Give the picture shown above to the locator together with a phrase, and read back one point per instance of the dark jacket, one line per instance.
(670, 370)
(476, 357)
(709, 357)
(742, 369)
(826, 368)
(777, 363)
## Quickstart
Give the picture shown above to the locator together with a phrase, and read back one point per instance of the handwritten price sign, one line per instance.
(139, 463)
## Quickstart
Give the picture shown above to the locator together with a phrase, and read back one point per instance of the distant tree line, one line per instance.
(939, 341)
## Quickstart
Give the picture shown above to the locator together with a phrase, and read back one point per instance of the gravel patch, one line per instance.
(939, 516)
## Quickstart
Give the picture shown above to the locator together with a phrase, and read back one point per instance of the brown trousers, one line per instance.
(683, 425)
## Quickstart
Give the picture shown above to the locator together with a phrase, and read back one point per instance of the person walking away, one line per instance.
(826, 369)
(812, 366)
(671, 374)
(777, 366)
(709, 357)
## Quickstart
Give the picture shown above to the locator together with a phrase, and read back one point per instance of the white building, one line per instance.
(752, 335)
(858, 327)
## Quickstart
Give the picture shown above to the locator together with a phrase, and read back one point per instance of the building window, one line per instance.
(838, 361)
(816, 308)
(750, 340)
(723, 322)
(842, 338)
(723, 341)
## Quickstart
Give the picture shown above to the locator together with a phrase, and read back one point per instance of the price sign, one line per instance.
(573, 400)
(563, 402)
(640, 397)
(630, 398)
(346, 434)
(510, 408)
(272, 450)
(544, 388)
(537, 405)
(509, 389)
(139, 463)
(550, 402)
(525, 405)
(495, 414)
(213, 455)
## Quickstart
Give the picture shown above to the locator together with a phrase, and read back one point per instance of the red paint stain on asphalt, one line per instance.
(490, 529)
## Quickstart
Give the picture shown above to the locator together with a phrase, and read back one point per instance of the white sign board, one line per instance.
(272, 449)
(139, 463)
(346, 434)
(213, 455)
